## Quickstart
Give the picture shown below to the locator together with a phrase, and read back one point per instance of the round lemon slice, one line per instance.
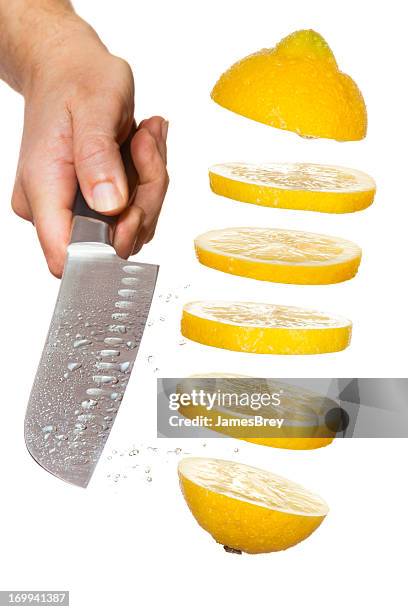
(292, 417)
(247, 509)
(280, 256)
(295, 86)
(253, 327)
(298, 186)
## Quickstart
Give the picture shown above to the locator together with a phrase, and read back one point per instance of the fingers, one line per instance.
(136, 225)
(97, 157)
(50, 190)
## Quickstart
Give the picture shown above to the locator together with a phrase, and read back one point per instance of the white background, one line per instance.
(127, 544)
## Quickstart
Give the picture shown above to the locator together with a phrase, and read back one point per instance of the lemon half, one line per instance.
(246, 508)
(298, 186)
(295, 86)
(254, 327)
(278, 255)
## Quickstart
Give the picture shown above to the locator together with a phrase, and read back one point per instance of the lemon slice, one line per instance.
(280, 256)
(253, 327)
(309, 420)
(246, 508)
(295, 86)
(300, 186)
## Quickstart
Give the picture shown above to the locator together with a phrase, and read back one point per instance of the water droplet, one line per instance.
(104, 380)
(106, 366)
(131, 344)
(116, 396)
(119, 329)
(90, 403)
(133, 452)
(74, 365)
(132, 269)
(149, 479)
(66, 375)
(124, 304)
(120, 316)
(86, 418)
(127, 293)
(82, 342)
(124, 367)
(182, 342)
(109, 353)
(130, 282)
(95, 392)
(48, 428)
(236, 450)
(148, 469)
(113, 341)
(150, 358)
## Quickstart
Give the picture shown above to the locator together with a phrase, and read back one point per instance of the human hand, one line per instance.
(79, 109)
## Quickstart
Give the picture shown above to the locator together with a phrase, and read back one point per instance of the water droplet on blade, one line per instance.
(129, 281)
(132, 269)
(113, 341)
(127, 293)
(82, 342)
(109, 353)
(104, 380)
(74, 365)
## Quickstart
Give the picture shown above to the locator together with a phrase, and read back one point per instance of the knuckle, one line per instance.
(18, 203)
(95, 150)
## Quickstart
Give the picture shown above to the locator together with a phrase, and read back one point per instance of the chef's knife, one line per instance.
(92, 342)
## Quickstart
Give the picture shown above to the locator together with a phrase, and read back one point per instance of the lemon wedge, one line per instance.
(247, 509)
(253, 327)
(297, 186)
(278, 255)
(295, 86)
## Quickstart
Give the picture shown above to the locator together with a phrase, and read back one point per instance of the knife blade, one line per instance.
(92, 343)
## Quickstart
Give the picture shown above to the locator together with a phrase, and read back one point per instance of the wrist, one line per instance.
(51, 43)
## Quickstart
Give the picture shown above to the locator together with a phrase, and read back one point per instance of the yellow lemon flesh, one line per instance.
(303, 412)
(253, 327)
(295, 86)
(300, 186)
(278, 255)
(246, 508)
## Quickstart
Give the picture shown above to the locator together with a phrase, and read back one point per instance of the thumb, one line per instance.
(98, 163)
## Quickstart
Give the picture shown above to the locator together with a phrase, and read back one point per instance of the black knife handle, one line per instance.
(82, 209)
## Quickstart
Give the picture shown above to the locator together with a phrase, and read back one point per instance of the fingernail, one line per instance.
(106, 198)
(164, 129)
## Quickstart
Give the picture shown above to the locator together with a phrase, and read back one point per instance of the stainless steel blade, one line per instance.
(89, 353)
